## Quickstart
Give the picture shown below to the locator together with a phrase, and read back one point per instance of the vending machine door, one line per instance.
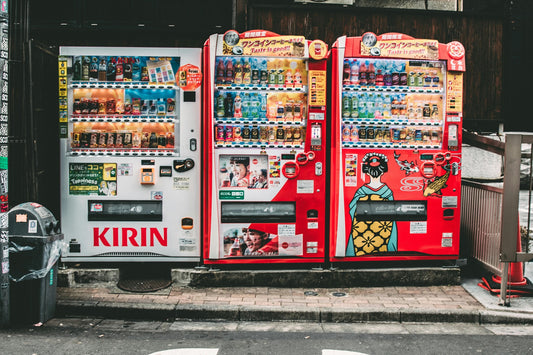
(265, 130)
(395, 154)
(130, 121)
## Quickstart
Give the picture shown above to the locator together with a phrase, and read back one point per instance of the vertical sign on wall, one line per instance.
(4, 242)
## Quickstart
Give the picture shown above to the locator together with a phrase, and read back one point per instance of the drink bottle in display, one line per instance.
(93, 69)
(127, 69)
(237, 106)
(354, 107)
(346, 106)
(119, 76)
(76, 75)
(229, 72)
(263, 73)
(111, 70)
(246, 73)
(220, 110)
(346, 73)
(238, 73)
(85, 68)
(354, 73)
(228, 105)
(102, 70)
(221, 72)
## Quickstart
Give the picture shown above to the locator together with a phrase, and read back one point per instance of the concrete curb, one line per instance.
(151, 311)
(415, 276)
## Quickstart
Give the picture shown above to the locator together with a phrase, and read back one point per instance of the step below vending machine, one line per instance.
(396, 148)
(130, 121)
(265, 131)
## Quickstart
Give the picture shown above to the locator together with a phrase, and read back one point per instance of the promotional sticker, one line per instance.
(291, 244)
(32, 226)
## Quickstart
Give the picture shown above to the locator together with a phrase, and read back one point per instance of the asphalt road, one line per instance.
(95, 336)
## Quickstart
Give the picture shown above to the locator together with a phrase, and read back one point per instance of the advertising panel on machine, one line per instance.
(265, 112)
(130, 153)
(397, 115)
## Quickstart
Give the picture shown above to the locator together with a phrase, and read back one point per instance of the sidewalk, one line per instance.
(451, 303)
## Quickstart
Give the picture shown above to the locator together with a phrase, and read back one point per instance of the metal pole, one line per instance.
(504, 301)
(4, 93)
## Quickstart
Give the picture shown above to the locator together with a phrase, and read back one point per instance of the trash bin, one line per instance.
(34, 250)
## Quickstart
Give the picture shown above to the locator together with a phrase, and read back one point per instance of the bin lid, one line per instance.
(32, 219)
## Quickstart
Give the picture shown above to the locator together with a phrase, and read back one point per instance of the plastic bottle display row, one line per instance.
(113, 69)
(392, 106)
(390, 72)
(124, 102)
(403, 135)
(123, 135)
(229, 135)
(274, 107)
(271, 72)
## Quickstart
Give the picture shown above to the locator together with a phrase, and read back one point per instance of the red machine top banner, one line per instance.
(398, 45)
(262, 43)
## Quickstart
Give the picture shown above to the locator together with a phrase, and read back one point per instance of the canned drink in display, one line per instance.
(346, 133)
(435, 111)
(418, 136)
(145, 140)
(75, 143)
(410, 135)
(136, 140)
(102, 105)
(297, 135)
(271, 134)
(171, 105)
(161, 141)
(85, 138)
(93, 139)
(378, 134)
(237, 134)
(354, 134)
(426, 111)
(289, 107)
(228, 138)
(288, 135)
(263, 134)
(395, 134)
(386, 135)
(110, 107)
(102, 140)
(371, 134)
(127, 140)
(170, 140)
(246, 134)
(435, 137)
(297, 111)
(119, 140)
(362, 133)
(110, 140)
(254, 134)
(76, 106)
(220, 134)
(93, 104)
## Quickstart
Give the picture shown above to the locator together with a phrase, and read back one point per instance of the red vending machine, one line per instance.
(265, 130)
(396, 148)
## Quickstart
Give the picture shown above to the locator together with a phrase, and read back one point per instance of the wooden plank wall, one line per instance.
(481, 36)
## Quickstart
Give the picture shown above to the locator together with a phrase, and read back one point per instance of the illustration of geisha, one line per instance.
(368, 236)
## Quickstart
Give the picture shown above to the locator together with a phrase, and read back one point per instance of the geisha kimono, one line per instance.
(368, 237)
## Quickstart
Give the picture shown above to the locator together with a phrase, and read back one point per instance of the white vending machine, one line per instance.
(130, 129)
